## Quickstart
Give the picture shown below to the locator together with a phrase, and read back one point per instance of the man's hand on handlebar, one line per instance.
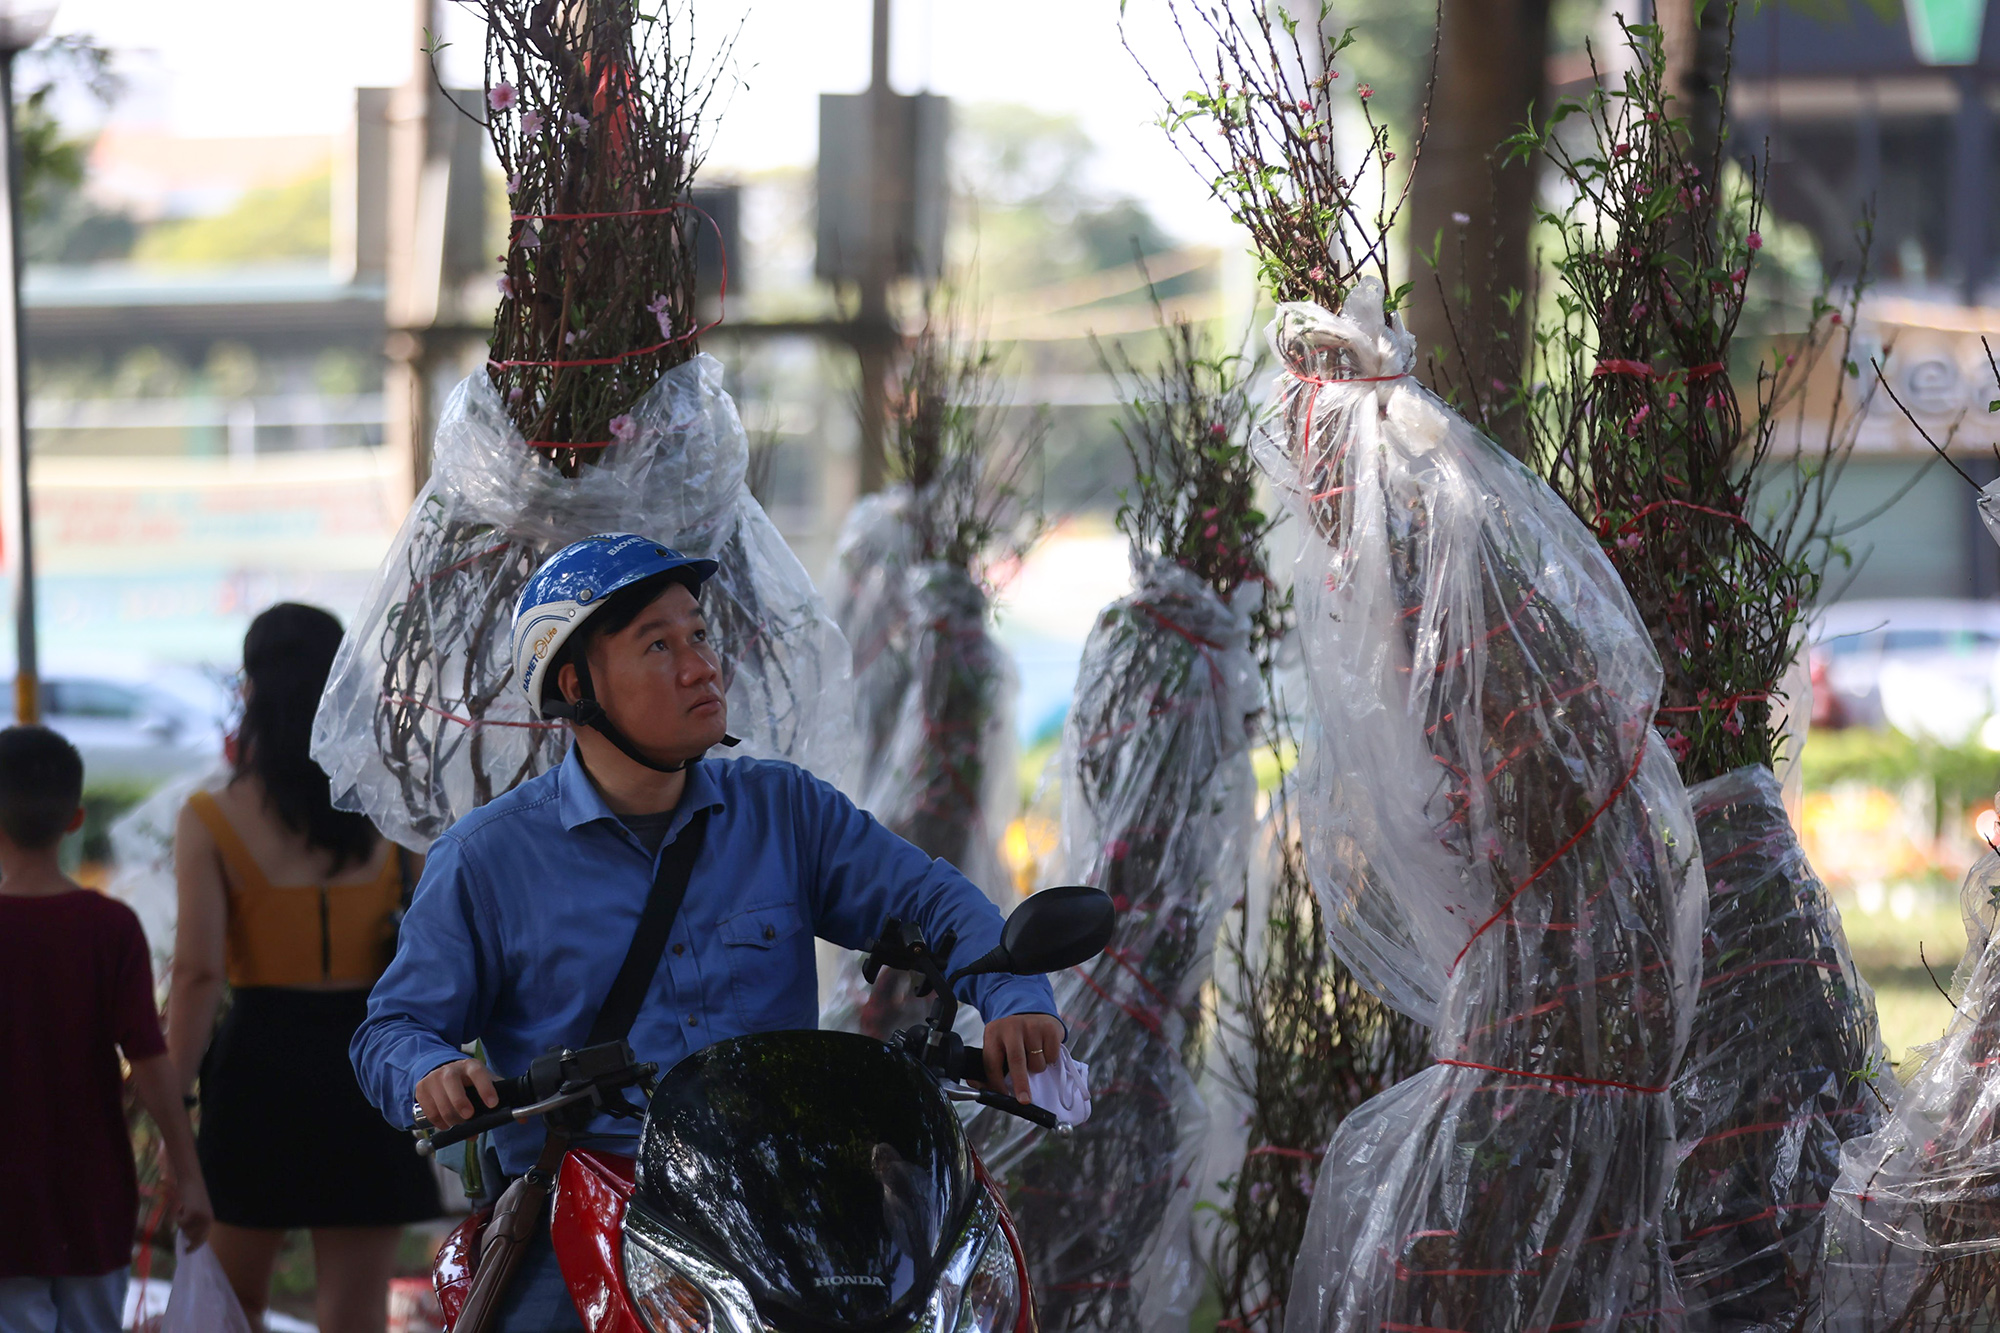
(1022, 1045)
(447, 1093)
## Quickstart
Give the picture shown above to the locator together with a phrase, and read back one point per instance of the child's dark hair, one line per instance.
(620, 609)
(286, 657)
(41, 785)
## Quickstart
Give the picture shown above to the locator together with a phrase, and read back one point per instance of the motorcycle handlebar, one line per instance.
(465, 1129)
(597, 1070)
(968, 1065)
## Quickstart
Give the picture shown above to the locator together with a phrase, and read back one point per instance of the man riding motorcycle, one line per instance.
(527, 905)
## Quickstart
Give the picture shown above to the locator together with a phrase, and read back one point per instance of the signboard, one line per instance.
(168, 558)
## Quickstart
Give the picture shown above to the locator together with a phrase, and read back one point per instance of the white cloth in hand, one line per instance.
(1063, 1088)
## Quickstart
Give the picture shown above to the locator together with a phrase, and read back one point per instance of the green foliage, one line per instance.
(60, 225)
(1839, 11)
(967, 479)
(1304, 1044)
(1966, 775)
(1629, 409)
(51, 161)
(103, 804)
(1193, 498)
(1259, 127)
(1029, 217)
(278, 222)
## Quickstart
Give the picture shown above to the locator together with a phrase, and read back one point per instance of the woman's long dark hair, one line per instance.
(286, 657)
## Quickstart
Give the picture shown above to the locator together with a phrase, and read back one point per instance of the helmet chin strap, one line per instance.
(588, 712)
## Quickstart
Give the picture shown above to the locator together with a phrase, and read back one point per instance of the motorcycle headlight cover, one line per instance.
(676, 1290)
(665, 1300)
(993, 1293)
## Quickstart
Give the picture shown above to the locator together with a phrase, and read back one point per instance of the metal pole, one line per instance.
(16, 526)
(875, 340)
(413, 277)
(1972, 131)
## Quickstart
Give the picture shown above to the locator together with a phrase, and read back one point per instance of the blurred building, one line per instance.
(213, 428)
(1863, 117)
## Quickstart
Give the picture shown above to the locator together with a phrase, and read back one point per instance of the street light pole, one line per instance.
(20, 28)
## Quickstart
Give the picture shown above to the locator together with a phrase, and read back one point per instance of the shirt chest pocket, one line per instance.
(769, 954)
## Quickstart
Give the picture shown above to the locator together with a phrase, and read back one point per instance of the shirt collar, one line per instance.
(580, 803)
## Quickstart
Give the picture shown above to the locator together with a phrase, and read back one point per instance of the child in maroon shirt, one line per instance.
(76, 990)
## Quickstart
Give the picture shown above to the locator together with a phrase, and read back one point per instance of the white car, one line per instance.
(133, 732)
(1924, 665)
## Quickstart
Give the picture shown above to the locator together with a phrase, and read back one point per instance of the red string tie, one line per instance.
(1753, 697)
(721, 301)
(1637, 759)
(410, 700)
(1351, 379)
(1559, 1078)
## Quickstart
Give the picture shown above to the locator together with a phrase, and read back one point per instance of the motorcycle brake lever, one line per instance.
(1034, 1115)
(568, 1097)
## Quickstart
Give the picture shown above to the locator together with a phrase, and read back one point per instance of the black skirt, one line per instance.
(287, 1140)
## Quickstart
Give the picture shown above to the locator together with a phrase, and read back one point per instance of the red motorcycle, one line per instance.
(786, 1182)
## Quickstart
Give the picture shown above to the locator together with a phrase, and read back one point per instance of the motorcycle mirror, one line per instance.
(1055, 929)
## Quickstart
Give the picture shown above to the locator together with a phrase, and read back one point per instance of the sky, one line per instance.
(235, 67)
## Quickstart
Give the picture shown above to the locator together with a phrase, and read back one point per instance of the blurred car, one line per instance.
(136, 732)
(1938, 647)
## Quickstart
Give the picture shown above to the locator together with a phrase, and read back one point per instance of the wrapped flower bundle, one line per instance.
(1913, 1227)
(868, 593)
(1721, 536)
(1301, 1044)
(1156, 808)
(1782, 1067)
(1501, 846)
(595, 413)
(1156, 811)
(933, 689)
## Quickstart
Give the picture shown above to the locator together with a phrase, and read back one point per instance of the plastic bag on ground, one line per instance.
(422, 720)
(1783, 1065)
(1157, 797)
(1913, 1227)
(202, 1300)
(1502, 847)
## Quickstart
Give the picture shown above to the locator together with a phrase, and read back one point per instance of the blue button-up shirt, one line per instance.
(528, 905)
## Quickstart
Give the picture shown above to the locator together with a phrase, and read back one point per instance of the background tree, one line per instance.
(1471, 204)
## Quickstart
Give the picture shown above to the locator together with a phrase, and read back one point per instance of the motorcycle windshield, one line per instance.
(822, 1168)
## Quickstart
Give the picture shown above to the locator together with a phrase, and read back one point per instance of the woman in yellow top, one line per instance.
(295, 903)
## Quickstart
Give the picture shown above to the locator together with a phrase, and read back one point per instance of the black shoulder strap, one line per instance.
(649, 941)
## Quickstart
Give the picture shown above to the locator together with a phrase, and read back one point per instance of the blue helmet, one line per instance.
(572, 584)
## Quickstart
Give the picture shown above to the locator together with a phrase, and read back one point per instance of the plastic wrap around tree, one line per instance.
(1783, 1065)
(1298, 1043)
(1501, 846)
(1157, 795)
(1913, 1227)
(947, 775)
(944, 777)
(869, 594)
(422, 720)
